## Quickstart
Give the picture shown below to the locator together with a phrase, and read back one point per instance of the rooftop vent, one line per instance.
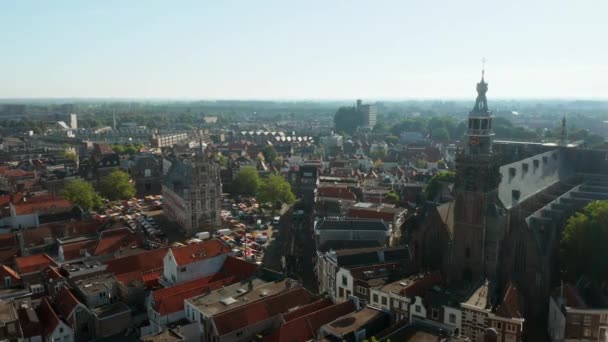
(228, 301)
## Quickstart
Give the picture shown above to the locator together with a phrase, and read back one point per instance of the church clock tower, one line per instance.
(476, 233)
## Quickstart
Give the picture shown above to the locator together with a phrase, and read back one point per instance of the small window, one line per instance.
(515, 194)
(524, 167)
(545, 159)
(536, 163)
(375, 298)
(587, 320)
(418, 308)
(512, 171)
(435, 313)
(344, 281)
(384, 300)
(182, 269)
(452, 318)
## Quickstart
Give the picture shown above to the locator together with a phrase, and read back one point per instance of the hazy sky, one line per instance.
(283, 49)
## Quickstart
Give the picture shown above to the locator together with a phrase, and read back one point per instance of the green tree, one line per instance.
(275, 189)
(391, 139)
(432, 188)
(70, 154)
(392, 196)
(82, 194)
(347, 119)
(270, 153)
(116, 186)
(440, 134)
(584, 241)
(247, 182)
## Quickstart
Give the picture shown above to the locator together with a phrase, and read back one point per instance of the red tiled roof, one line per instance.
(6, 199)
(48, 318)
(43, 204)
(260, 310)
(145, 261)
(370, 214)
(65, 302)
(51, 272)
(306, 327)
(199, 251)
(239, 267)
(6, 271)
(171, 299)
(9, 239)
(8, 254)
(71, 251)
(307, 309)
(103, 149)
(150, 279)
(111, 241)
(34, 263)
(420, 286)
(509, 306)
(336, 192)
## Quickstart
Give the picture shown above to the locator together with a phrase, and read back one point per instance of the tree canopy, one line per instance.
(434, 185)
(584, 241)
(82, 194)
(347, 119)
(270, 153)
(275, 189)
(116, 186)
(247, 182)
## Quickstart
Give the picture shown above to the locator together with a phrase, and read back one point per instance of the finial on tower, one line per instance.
(483, 68)
(563, 136)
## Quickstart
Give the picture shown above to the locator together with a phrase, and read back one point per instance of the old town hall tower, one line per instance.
(478, 214)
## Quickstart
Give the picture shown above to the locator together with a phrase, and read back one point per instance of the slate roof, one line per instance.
(351, 224)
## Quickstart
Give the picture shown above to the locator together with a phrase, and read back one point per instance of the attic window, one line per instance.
(512, 171)
(515, 194)
(545, 159)
(536, 163)
(524, 167)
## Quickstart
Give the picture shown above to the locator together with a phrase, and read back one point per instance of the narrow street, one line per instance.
(292, 241)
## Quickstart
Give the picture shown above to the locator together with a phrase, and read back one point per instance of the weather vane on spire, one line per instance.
(483, 67)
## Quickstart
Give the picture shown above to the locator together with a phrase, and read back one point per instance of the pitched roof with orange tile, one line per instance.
(65, 302)
(199, 251)
(43, 204)
(145, 261)
(336, 192)
(509, 306)
(6, 271)
(51, 272)
(113, 240)
(306, 327)
(260, 310)
(34, 263)
(239, 267)
(171, 299)
(48, 317)
(73, 250)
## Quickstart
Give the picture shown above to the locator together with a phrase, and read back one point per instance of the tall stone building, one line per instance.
(476, 235)
(192, 192)
(509, 210)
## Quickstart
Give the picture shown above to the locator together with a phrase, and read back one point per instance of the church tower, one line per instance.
(476, 217)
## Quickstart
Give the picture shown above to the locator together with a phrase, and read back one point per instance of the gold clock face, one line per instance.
(474, 140)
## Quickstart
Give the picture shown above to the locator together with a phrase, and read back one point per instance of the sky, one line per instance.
(312, 49)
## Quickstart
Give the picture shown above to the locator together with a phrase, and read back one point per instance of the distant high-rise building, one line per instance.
(74, 121)
(369, 112)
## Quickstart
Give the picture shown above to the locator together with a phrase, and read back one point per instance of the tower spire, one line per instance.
(483, 68)
(562, 138)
